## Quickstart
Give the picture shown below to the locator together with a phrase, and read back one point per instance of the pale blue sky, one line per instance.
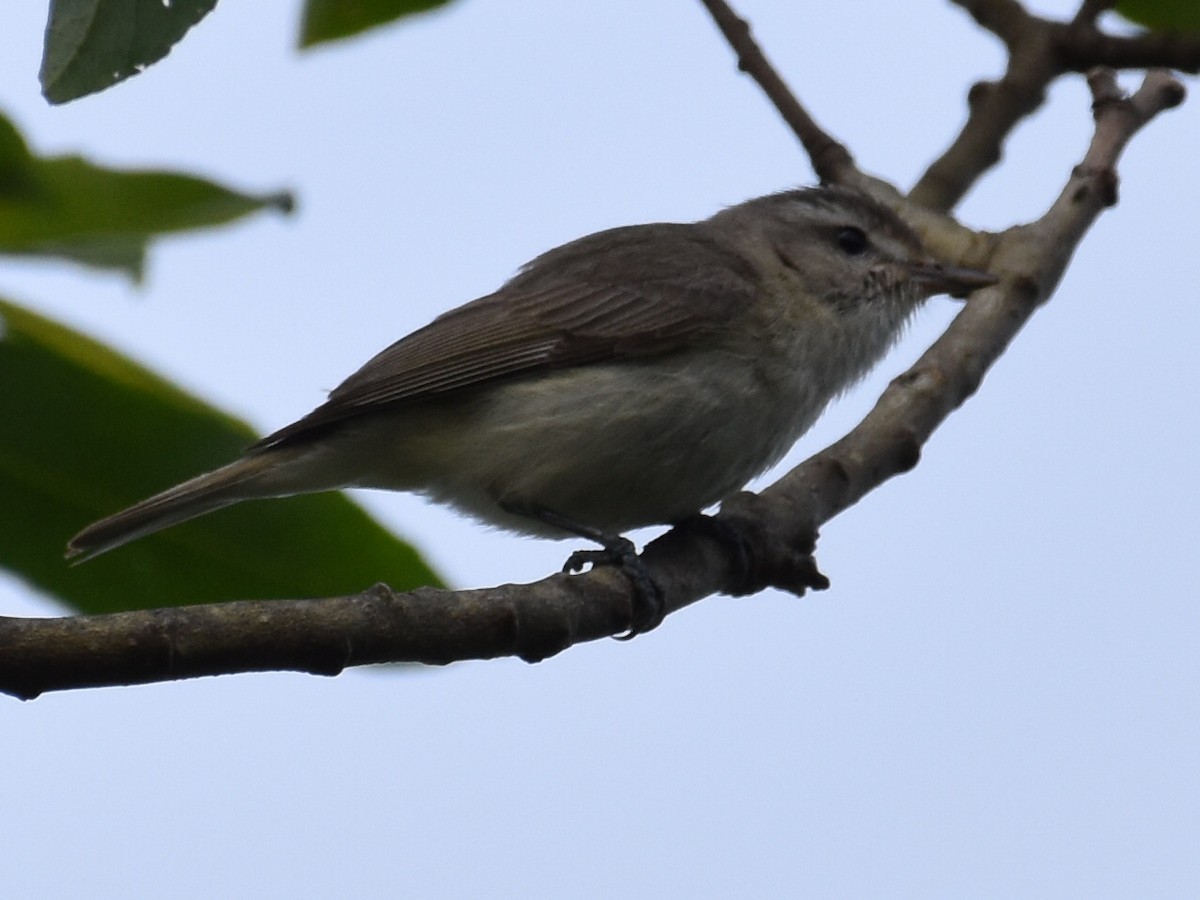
(999, 697)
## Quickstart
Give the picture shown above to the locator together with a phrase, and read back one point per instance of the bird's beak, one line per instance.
(956, 281)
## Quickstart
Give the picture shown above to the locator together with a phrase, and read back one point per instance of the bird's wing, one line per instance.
(616, 294)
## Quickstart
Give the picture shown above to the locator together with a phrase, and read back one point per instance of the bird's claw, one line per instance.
(648, 602)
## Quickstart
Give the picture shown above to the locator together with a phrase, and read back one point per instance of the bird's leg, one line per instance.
(617, 550)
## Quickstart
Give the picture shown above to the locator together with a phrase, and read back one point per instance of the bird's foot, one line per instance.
(649, 607)
(648, 602)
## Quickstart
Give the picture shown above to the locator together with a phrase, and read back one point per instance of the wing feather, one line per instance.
(637, 291)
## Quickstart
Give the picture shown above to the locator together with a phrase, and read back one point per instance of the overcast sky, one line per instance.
(999, 696)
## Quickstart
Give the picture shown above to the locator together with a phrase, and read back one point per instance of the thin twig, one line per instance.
(1040, 50)
(830, 159)
(995, 107)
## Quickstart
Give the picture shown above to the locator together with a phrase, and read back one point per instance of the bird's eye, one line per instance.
(852, 240)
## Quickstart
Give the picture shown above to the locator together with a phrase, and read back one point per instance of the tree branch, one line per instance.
(1039, 51)
(830, 159)
(324, 636)
(1082, 46)
(538, 620)
(994, 107)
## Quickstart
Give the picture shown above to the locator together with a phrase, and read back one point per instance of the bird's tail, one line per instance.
(240, 480)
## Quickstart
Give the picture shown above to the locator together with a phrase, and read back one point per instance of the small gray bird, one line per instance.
(632, 377)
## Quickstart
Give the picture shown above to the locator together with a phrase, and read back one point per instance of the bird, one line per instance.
(632, 377)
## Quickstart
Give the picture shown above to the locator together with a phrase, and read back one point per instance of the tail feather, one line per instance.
(195, 497)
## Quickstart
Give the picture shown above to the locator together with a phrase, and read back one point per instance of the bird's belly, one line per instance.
(610, 446)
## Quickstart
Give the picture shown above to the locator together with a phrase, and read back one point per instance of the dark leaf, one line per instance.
(93, 44)
(84, 432)
(67, 207)
(1162, 15)
(332, 20)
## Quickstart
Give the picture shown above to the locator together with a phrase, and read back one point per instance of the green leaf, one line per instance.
(1162, 15)
(332, 20)
(69, 208)
(93, 44)
(84, 432)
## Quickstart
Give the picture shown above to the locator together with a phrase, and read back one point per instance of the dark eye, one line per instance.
(852, 240)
